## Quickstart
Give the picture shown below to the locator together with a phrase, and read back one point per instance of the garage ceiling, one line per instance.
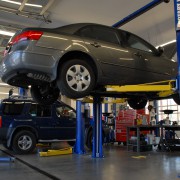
(156, 26)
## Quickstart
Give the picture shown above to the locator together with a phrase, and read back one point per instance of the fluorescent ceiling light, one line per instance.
(26, 4)
(7, 33)
(170, 42)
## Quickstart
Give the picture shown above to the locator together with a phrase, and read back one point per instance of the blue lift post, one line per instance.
(79, 147)
(22, 92)
(7, 159)
(97, 128)
(177, 27)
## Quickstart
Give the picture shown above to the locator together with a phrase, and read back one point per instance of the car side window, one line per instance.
(100, 33)
(13, 108)
(137, 43)
(105, 34)
(40, 111)
(66, 112)
(87, 32)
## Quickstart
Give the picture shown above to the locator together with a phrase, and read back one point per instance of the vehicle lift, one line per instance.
(164, 90)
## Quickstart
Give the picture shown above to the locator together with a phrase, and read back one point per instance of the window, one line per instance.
(168, 104)
(40, 111)
(87, 32)
(13, 108)
(100, 33)
(65, 111)
(137, 43)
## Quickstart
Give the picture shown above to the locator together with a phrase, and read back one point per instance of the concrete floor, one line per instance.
(118, 164)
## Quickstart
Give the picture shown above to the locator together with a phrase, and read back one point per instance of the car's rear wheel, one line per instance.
(137, 103)
(76, 78)
(24, 142)
(44, 94)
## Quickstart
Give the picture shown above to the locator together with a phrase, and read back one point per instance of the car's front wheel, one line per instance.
(44, 94)
(24, 142)
(137, 103)
(76, 78)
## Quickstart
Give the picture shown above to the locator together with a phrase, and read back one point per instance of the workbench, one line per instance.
(158, 128)
(138, 130)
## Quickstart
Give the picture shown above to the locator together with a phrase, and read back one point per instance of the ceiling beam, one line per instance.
(22, 5)
(46, 7)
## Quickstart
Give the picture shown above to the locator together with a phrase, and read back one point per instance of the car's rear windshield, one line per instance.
(12, 108)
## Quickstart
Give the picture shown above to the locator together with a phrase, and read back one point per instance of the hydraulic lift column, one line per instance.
(97, 128)
(79, 147)
(177, 26)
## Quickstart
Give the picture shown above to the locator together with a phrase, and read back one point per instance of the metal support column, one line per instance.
(97, 128)
(106, 106)
(177, 27)
(79, 147)
(22, 92)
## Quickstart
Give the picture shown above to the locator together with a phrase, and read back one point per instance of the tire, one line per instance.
(76, 79)
(44, 94)
(176, 98)
(24, 142)
(89, 143)
(137, 103)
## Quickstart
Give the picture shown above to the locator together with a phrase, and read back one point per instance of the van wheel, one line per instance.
(24, 142)
(89, 143)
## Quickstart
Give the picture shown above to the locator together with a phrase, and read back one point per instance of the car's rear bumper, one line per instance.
(28, 66)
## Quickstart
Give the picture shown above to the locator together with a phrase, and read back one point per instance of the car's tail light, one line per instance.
(26, 35)
(0, 121)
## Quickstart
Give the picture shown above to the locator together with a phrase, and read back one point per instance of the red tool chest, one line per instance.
(125, 118)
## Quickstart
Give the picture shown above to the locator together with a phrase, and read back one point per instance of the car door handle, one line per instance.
(95, 44)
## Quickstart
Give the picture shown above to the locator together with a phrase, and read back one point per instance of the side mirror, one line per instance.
(160, 50)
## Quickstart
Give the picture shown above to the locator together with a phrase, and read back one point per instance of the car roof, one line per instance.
(19, 98)
(72, 28)
(30, 100)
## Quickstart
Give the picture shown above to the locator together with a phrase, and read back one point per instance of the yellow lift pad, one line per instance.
(162, 88)
(57, 152)
(150, 87)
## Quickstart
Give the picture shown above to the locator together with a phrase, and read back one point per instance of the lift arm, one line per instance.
(139, 12)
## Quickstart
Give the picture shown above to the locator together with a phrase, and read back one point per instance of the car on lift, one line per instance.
(79, 59)
(24, 123)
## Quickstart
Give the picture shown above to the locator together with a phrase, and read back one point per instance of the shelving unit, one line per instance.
(164, 144)
(138, 129)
